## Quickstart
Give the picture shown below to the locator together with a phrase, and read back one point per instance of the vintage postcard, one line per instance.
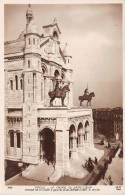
(62, 97)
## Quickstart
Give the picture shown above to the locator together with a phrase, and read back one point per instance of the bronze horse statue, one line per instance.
(60, 94)
(86, 97)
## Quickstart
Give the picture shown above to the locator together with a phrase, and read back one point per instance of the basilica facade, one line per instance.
(35, 130)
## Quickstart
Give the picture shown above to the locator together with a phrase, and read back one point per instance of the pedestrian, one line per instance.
(109, 177)
(110, 180)
(103, 173)
(89, 160)
(96, 161)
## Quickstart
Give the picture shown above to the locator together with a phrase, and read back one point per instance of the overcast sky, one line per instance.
(94, 36)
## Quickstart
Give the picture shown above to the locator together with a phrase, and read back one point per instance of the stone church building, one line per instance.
(34, 130)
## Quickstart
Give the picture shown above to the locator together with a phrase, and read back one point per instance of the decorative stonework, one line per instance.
(14, 57)
(14, 119)
(46, 121)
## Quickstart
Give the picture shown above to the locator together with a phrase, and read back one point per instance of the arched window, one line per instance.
(29, 41)
(28, 63)
(16, 78)
(56, 74)
(55, 35)
(18, 140)
(68, 60)
(33, 40)
(11, 84)
(21, 84)
(11, 139)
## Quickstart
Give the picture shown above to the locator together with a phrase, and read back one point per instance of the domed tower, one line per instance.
(69, 72)
(33, 87)
(67, 55)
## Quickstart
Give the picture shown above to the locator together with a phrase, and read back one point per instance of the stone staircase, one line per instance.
(76, 169)
(40, 172)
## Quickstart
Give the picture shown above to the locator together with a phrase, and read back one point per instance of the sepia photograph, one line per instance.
(63, 94)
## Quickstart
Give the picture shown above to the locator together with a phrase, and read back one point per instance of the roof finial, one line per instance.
(29, 5)
(54, 21)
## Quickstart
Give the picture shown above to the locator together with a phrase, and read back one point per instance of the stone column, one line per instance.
(91, 134)
(80, 142)
(59, 148)
(74, 150)
(15, 144)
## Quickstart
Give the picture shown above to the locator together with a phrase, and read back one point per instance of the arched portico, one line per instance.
(47, 144)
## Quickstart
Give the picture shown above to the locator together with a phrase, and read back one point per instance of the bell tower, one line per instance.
(32, 79)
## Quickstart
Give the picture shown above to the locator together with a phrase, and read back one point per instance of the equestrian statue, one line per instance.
(59, 92)
(87, 96)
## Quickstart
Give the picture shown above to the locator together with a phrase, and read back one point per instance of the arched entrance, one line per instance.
(47, 145)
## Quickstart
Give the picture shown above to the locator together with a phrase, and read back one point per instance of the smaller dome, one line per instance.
(29, 12)
(32, 27)
(66, 51)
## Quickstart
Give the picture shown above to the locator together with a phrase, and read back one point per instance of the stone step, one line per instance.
(76, 169)
(41, 172)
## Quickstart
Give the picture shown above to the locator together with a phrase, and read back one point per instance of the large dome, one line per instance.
(66, 51)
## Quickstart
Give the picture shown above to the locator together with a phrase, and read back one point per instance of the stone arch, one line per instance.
(72, 138)
(44, 127)
(11, 78)
(44, 68)
(80, 134)
(47, 144)
(11, 130)
(72, 123)
(86, 128)
(55, 35)
(56, 74)
(11, 137)
(16, 73)
(72, 131)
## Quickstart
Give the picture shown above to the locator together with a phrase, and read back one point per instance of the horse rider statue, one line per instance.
(57, 89)
(58, 92)
(87, 96)
(86, 92)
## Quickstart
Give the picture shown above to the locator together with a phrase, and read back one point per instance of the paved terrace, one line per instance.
(88, 180)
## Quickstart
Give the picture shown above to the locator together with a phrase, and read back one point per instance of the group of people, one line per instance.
(107, 144)
(89, 164)
(104, 169)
